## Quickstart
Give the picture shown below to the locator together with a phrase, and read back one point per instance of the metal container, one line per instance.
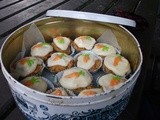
(36, 105)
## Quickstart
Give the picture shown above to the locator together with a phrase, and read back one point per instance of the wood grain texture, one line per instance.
(8, 2)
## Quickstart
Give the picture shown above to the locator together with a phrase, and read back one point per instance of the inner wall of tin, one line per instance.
(52, 27)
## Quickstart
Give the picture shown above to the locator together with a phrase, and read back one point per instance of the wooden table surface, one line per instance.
(15, 13)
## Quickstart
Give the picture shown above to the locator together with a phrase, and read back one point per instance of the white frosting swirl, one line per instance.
(62, 42)
(86, 42)
(59, 58)
(41, 49)
(75, 78)
(90, 92)
(82, 63)
(27, 65)
(103, 49)
(121, 69)
(105, 82)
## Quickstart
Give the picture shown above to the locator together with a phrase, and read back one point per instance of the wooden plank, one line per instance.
(98, 6)
(5, 3)
(28, 15)
(144, 37)
(125, 5)
(14, 9)
(16, 114)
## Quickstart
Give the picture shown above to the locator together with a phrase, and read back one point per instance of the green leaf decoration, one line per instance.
(116, 78)
(105, 48)
(30, 62)
(61, 40)
(35, 80)
(82, 73)
(63, 55)
(86, 54)
(88, 38)
(45, 44)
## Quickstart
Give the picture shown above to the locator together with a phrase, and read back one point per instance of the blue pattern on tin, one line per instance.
(108, 113)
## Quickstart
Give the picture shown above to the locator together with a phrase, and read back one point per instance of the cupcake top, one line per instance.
(59, 58)
(58, 92)
(27, 65)
(86, 60)
(110, 82)
(86, 42)
(62, 42)
(74, 78)
(103, 49)
(117, 64)
(41, 49)
(36, 83)
(90, 92)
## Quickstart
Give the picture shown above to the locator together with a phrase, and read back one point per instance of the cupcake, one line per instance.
(116, 64)
(29, 66)
(41, 50)
(89, 61)
(103, 49)
(83, 43)
(110, 82)
(57, 91)
(75, 78)
(90, 92)
(62, 44)
(59, 62)
(36, 83)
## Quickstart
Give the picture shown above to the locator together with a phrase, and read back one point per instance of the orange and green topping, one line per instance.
(89, 92)
(86, 57)
(29, 83)
(59, 56)
(103, 47)
(85, 38)
(60, 40)
(117, 59)
(29, 62)
(115, 80)
(75, 74)
(57, 92)
(40, 45)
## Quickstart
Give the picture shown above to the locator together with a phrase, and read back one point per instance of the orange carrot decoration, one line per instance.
(57, 57)
(75, 74)
(86, 58)
(99, 46)
(89, 92)
(115, 81)
(23, 61)
(85, 37)
(37, 46)
(117, 59)
(28, 83)
(57, 92)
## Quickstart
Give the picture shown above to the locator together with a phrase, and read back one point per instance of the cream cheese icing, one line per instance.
(36, 83)
(86, 61)
(103, 49)
(62, 42)
(86, 42)
(59, 58)
(90, 92)
(75, 78)
(110, 82)
(27, 65)
(41, 49)
(117, 64)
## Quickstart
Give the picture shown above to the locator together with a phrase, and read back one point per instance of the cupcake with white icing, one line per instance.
(62, 44)
(29, 66)
(116, 64)
(59, 62)
(83, 43)
(103, 49)
(89, 61)
(75, 79)
(57, 91)
(36, 83)
(90, 92)
(110, 82)
(42, 50)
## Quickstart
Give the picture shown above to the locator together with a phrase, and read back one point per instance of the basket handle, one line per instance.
(91, 16)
